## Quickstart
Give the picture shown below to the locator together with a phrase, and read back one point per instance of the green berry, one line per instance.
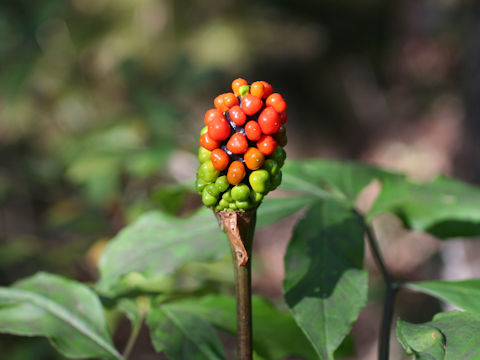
(260, 181)
(279, 155)
(204, 130)
(242, 205)
(227, 196)
(200, 185)
(222, 183)
(223, 203)
(203, 154)
(240, 192)
(276, 180)
(212, 189)
(244, 90)
(207, 172)
(271, 166)
(208, 199)
(256, 197)
(232, 206)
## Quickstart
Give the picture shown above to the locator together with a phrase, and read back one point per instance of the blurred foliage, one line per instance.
(100, 102)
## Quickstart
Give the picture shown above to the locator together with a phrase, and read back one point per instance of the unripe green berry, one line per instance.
(242, 205)
(208, 199)
(240, 192)
(244, 90)
(204, 130)
(212, 189)
(200, 185)
(276, 180)
(232, 206)
(279, 155)
(207, 172)
(260, 181)
(222, 183)
(203, 154)
(227, 195)
(256, 197)
(223, 203)
(271, 166)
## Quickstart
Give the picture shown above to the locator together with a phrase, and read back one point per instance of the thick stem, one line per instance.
(390, 291)
(240, 228)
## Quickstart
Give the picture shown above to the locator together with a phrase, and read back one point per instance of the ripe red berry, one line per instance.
(229, 100)
(253, 158)
(257, 89)
(237, 84)
(276, 101)
(218, 102)
(269, 121)
(267, 144)
(251, 104)
(208, 143)
(212, 114)
(219, 129)
(237, 115)
(220, 159)
(237, 144)
(236, 172)
(267, 89)
(253, 131)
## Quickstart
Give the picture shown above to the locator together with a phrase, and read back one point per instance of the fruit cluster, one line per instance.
(241, 150)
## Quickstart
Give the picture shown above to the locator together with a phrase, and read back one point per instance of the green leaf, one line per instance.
(331, 178)
(325, 285)
(451, 335)
(67, 312)
(444, 207)
(464, 294)
(275, 333)
(182, 335)
(157, 244)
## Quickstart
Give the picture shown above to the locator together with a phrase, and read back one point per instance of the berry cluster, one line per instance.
(241, 150)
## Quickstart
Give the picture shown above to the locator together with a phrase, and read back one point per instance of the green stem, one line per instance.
(133, 337)
(240, 228)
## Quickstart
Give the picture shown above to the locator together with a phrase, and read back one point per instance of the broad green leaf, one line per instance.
(275, 333)
(182, 335)
(444, 207)
(157, 243)
(325, 285)
(452, 335)
(331, 178)
(464, 294)
(66, 312)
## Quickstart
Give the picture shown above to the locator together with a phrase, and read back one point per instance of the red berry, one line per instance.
(236, 172)
(253, 158)
(283, 117)
(220, 159)
(237, 144)
(219, 129)
(269, 121)
(208, 143)
(256, 89)
(276, 101)
(281, 136)
(251, 104)
(211, 115)
(237, 84)
(218, 102)
(267, 144)
(237, 115)
(267, 89)
(253, 131)
(229, 100)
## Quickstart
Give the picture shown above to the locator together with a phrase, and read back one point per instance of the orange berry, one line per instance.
(237, 143)
(267, 144)
(253, 158)
(251, 104)
(208, 143)
(236, 84)
(229, 100)
(276, 101)
(253, 131)
(256, 89)
(237, 115)
(220, 159)
(219, 104)
(212, 114)
(236, 172)
(267, 89)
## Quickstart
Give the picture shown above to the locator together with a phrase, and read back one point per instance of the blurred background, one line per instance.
(101, 102)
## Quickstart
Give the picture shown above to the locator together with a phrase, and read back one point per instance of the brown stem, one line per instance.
(240, 228)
